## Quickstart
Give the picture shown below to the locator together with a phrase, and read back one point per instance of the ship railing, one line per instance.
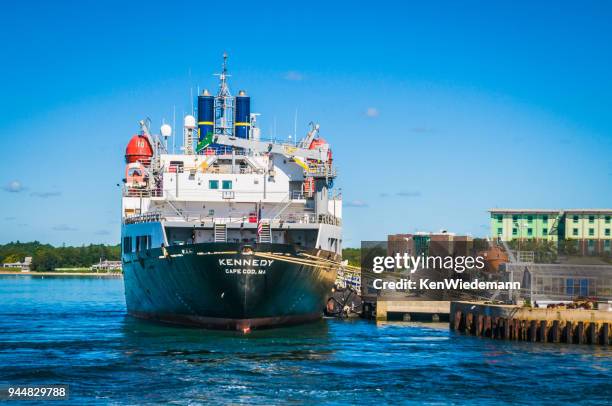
(289, 218)
(309, 218)
(217, 150)
(297, 195)
(321, 170)
(137, 192)
(143, 218)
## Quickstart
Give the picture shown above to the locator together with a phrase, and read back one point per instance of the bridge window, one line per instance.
(127, 245)
(213, 184)
(143, 242)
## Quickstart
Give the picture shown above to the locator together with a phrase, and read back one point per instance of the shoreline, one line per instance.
(104, 275)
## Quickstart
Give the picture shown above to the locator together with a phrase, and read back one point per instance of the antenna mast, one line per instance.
(224, 104)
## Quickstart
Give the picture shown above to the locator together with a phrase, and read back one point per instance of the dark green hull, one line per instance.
(215, 285)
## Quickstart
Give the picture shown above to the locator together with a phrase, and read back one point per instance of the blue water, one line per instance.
(75, 331)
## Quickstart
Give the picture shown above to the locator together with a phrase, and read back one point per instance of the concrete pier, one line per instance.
(412, 310)
(509, 322)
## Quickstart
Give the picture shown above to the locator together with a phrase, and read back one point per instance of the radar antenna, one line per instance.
(224, 103)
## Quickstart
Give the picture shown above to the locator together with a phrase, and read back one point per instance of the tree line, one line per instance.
(46, 257)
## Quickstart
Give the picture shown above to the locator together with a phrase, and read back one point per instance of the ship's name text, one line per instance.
(245, 262)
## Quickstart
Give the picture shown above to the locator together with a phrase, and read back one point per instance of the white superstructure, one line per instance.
(230, 188)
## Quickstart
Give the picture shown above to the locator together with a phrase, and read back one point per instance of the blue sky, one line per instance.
(436, 112)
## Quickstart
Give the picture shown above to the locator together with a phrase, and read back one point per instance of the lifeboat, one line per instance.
(138, 149)
(318, 143)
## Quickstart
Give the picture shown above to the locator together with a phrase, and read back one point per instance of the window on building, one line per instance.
(545, 219)
(591, 243)
(591, 232)
(545, 231)
(607, 219)
(127, 245)
(226, 185)
(607, 245)
(584, 287)
(575, 232)
(530, 219)
(500, 231)
(607, 232)
(213, 184)
(591, 219)
(576, 218)
(514, 231)
(500, 218)
(530, 232)
(515, 218)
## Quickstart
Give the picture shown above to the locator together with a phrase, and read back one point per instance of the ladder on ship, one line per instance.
(265, 236)
(220, 232)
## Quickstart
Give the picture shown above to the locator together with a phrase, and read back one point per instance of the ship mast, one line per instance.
(224, 104)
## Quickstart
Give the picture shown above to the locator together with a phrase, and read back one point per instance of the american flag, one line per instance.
(259, 221)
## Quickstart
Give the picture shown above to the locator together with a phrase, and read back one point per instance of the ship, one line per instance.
(234, 231)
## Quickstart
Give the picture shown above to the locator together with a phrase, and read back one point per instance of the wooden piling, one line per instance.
(532, 324)
(470, 326)
(569, 332)
(487, 331)
(556, 336)
(533, 331)
(543, 331)
(592, 335)
(580, 332)
(506, 333)
(479, 322)
(456, 324)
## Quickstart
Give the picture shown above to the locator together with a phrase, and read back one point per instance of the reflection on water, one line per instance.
(75, 331)
(438, 326)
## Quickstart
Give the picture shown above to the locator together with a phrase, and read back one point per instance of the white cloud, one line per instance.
(413, 193)
(14, 187)
(294, 76)
(64, 227)
(372, 112)
(45, 195)
(356, 203)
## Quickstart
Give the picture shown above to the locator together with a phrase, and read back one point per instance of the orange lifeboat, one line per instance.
(318, 143)
(138, 149)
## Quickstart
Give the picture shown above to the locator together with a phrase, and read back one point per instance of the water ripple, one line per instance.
(75, 331)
